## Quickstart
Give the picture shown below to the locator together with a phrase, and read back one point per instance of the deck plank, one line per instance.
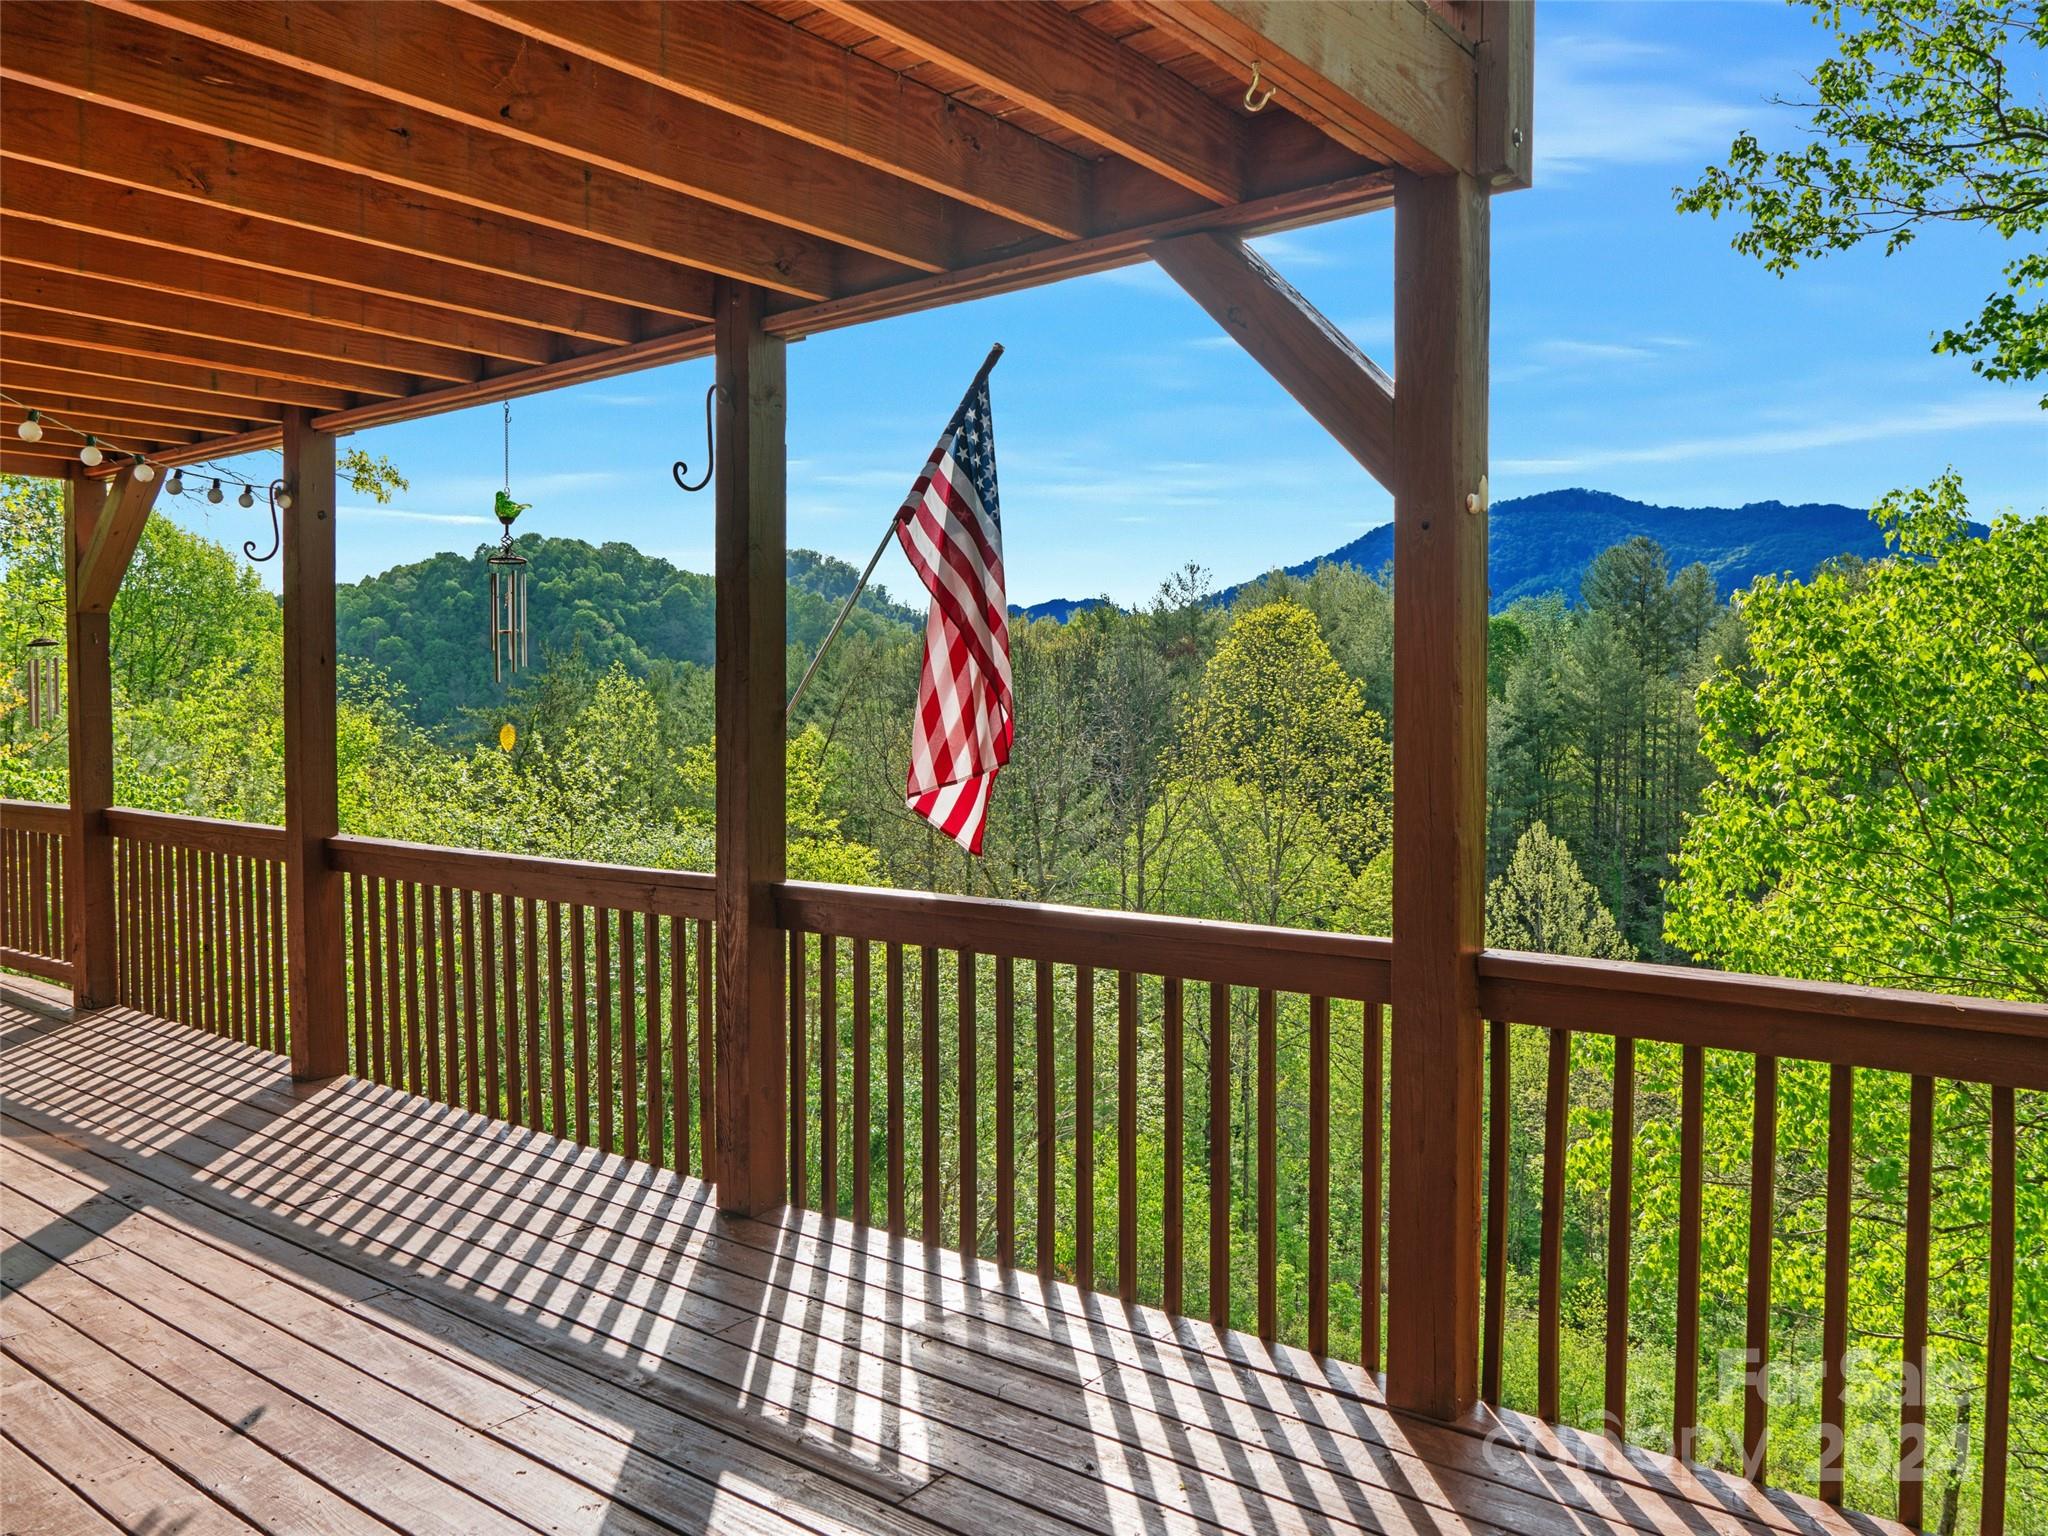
(35, 1503)
(893, 1386)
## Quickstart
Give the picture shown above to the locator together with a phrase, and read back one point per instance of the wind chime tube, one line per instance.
(491, 628)
(522, 618)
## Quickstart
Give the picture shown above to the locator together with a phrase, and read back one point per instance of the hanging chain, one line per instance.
(508, 447)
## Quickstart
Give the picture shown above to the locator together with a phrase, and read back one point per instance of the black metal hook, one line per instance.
(276, 532)
(681, 467)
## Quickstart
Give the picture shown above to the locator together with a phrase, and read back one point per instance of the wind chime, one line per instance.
(45, 671)
(508, 579)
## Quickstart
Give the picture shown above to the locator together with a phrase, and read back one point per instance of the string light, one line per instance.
(175, 486)
(90, 454)
(145, 471)
(246, 499)
(213, 496)
(31, 430)
(37, 424)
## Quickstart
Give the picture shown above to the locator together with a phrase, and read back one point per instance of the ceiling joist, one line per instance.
(94, 335)
(192, 381)
(30, 380)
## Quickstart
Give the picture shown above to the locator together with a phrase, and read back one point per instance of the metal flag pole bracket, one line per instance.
(789, 710)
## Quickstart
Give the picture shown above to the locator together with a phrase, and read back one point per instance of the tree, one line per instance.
(1542, 902)
(1882, 812)
(1915, 123)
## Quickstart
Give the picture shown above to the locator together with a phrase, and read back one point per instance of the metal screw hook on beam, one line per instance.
(278, 497)
(681, 467)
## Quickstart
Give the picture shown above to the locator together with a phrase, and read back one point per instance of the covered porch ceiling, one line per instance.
(213, 211)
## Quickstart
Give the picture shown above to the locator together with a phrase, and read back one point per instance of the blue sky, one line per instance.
(1633, 352)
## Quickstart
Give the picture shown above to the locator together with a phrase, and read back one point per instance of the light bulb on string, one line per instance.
(31, 430)
(246, 499)
(214, 495)
(284, 500)
(90, 454)
(144, 471)
(175, 486)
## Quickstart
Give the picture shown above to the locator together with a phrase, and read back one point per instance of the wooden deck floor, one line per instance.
(231, 1304)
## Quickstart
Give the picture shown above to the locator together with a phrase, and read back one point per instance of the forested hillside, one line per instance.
(1792, 781)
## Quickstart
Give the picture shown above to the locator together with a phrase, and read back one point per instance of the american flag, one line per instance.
(951, 527)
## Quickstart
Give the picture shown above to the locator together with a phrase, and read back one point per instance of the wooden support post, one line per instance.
(312, 890)
(1440, 349)
(753, 1105)
(89, 851)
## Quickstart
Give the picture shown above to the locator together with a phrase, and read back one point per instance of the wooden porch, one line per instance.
(238, 1303)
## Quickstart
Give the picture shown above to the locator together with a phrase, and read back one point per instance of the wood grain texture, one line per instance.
(1440, 328)
(751, 517)
(88, 872)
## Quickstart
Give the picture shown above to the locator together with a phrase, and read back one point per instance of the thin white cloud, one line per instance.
(407, 515)
(1947, 416)
(1613, 101)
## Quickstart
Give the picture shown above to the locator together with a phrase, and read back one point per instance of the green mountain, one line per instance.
(425, 624)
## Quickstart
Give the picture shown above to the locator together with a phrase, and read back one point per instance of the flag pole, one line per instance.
(994, 353)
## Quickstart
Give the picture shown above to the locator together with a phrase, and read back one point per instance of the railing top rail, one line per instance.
(1977, 1039)
(666, 892)
(1239, 954)
(35, 815)
(216, 836)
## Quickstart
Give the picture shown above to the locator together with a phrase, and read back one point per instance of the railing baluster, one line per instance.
(1319, 1175)
(1268, 1166)
(373, 909)
(579, 981)
(1084, 1127)
(1913, 1347)
(1372, 1188)
(412, 1080)
(650, 946)
(931, 1192)
(967, 1109)
(1127, 1136)
(1620, 1192)
(487, 972)
(1173, 1192)
(828, 1074)
(472, 1047)
(863, 1088)
(430, 996)
(1006, 1111)
(893, 981)
(508, 1024)
(1550, 1256)
(707, 1049)
(1835, 1280)
(1493, 1335)
(629, 1045)
(1999, 1318)
(1219, 1155)
(529, 972)
(358, 991)
(1045, 1107)
(678, 1045)
(1763, 1174)
(1685, 1396)
(451, 1030)
(799, 1070)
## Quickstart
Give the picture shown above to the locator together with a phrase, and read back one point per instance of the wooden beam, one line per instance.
(1384, 77)
(40, 393)
(752, 1097)
(764, 71)
(89, 718)
(15, 463)
(258, 294)
(1309, 357)
(1035, 54)
(1440, 339)
(312, 890)
(90, 297)
(120, 62)
(48, 128)
(488, 78)
(1504, 149)
(222, 237)
(101, 376)
(115, 533)
(278, 369)
(129, 437)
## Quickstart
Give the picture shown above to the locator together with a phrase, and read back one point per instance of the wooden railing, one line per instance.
(1759, 1026)
(199, 923)
(571, 998)
(1098, 1096)
(1146, 1001)
(33, 933)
